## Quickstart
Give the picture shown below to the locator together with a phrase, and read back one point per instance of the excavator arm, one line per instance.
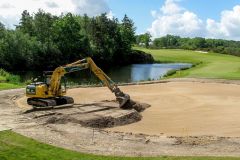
(86, 63)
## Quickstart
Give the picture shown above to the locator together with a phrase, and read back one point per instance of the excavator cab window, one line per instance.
(47, 77)
(63, 84)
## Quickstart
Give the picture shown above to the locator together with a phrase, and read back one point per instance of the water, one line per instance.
(131, 73)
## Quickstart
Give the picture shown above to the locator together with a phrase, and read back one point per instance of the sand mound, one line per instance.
(104, 114)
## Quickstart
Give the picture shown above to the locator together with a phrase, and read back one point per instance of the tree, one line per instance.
(18, 50)
(43, 23)
(144, 39)
(127, 31)
(199, 42)
(103, 34)
(68, 38)
(2, 37)
(26, 23)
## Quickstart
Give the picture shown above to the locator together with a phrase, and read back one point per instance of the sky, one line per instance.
(186, 18)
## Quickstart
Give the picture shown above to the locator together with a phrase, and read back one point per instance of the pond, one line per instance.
(131, 73)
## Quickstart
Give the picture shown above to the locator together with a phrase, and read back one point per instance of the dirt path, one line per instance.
(201, 115)
(9, 112)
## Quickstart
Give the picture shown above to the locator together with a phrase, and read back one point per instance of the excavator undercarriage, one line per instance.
(51, 102)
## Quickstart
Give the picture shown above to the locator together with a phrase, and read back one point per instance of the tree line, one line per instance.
(44, 41)
(176, 42)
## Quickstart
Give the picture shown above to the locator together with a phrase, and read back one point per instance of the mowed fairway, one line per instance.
(16, 147)
(210, 65)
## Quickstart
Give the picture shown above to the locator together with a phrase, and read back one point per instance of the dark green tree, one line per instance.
(103, 33)
(26, 24)
(127, 31)
(69, 39)
(144, 39)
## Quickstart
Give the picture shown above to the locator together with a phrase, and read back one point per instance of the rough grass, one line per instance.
(2, 78)
(8, 77)
(209, 65)
(16, 147)
(9, 81)
(4, 86)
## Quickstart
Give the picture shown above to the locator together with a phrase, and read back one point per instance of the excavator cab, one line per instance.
(47, 75)
(41, 95)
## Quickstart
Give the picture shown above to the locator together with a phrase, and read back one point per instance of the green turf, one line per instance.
(211, 65)
(2, 78)
(4, 86)
(16, 147)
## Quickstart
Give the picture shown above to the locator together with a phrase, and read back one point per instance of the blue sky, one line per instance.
(186, 18)
(140, 10)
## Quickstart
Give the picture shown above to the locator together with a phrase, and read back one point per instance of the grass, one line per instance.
(17, 147)
(4, 86)
(209, 65)
(9, 81)
(2, 78)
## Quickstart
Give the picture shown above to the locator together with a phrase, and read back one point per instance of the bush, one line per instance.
(13, 78)
(27, 82)
(10, 77)
(3, 73)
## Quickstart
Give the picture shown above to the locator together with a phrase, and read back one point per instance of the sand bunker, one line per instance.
(187, 109)
(177, 108)
(181, 108)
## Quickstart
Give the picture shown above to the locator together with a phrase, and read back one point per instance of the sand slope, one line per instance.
(177, 108)
(187, 108)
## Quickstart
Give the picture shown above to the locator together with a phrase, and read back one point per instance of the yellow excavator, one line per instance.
(52, 91)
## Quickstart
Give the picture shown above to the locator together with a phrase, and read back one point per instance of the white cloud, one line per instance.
(110, 15)
(228, 27)
(51, 4)
(10, 10)
(170, 7)
(6, 5)
(154, 13)
(91, 7)
(176, 20)
(173, 19)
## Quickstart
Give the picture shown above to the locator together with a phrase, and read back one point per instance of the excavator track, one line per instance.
(50, 102)
(64, 100)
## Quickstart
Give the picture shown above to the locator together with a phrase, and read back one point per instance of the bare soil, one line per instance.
(186, 117)
(104, 114)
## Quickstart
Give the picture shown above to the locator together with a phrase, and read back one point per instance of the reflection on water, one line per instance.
(141, 72)
(131, 73)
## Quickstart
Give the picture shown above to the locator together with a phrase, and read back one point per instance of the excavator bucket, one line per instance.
(123, 100)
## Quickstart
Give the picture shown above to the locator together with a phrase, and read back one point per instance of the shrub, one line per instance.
(10, 77)
(3, 73)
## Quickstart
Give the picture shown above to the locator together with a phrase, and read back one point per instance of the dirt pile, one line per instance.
(197, 140)
(104, 114)
(139, 107)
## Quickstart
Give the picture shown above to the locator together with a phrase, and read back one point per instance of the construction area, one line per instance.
(172, 117)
